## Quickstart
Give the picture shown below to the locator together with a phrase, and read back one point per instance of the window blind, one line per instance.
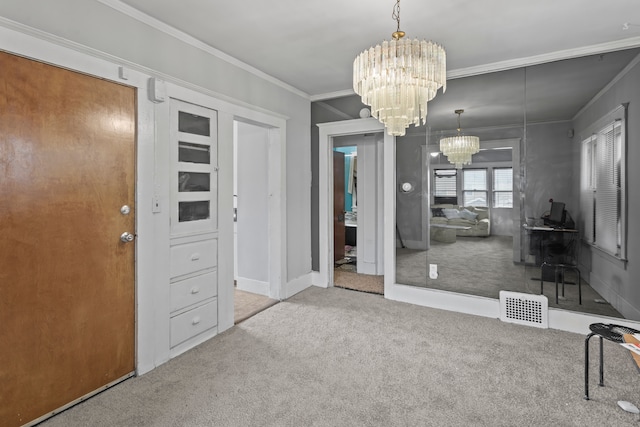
(602, 185)
(503, 187)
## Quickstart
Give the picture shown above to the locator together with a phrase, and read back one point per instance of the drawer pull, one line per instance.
(195, 290)
(195, 257)
(195, 320)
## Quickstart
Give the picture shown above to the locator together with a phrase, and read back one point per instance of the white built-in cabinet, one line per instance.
(194, 225)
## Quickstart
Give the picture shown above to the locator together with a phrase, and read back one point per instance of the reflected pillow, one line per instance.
(451, 213)
(437, 212)
(468, 215)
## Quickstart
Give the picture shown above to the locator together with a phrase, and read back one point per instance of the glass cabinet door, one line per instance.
(194, 175)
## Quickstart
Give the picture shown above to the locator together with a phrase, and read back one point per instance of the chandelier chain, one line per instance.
(396, 13)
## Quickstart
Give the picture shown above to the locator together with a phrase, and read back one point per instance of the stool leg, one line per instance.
(586, 366)
(555, 276)
(579, 287)
(601, 384)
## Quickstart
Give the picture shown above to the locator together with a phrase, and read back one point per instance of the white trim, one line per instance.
(298, 284)
(328, 131)
(64, 43)
(152, 271)
(635, 61)
(544, 58)
(511, 64)
(192, 41)
(563, 320)
(253, 286)
(331, 95)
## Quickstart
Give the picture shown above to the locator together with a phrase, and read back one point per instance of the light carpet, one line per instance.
(484, 266)
(331, 357)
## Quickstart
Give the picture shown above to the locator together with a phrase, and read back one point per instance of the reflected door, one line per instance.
(67, 158)
(338, 206)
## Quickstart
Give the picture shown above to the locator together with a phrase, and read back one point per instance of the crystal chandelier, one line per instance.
(460, 148)
(399, 77)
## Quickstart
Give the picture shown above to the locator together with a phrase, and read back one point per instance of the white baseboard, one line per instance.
(253, 286)
(413, 244)
(318, 280)
(298, 284)
(451, 301)
(563, 320)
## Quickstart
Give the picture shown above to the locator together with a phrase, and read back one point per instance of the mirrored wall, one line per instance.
(473, 230)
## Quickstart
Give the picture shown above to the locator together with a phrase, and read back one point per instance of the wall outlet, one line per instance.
(433, 271)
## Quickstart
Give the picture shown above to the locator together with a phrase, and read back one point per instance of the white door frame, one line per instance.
(327, 132)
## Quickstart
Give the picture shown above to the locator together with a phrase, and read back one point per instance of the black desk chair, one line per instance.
(560, 255)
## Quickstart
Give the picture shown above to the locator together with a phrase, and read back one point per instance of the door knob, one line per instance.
(127, 237)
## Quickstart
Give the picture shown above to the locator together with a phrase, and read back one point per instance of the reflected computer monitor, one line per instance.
(557, 214)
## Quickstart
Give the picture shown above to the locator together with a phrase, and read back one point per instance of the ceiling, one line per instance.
(310, 45)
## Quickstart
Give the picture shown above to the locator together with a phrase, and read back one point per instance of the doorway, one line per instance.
(367, 135)
(67, 294)
(252, 291)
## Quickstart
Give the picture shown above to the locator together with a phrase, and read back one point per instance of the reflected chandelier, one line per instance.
(399, 77)
(460, 148)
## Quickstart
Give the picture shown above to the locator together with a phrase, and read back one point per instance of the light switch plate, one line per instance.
(433, 271)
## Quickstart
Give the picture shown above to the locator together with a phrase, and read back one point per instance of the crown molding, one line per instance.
(192, 41)
(635, 61)
(77, 47)
(511, 64)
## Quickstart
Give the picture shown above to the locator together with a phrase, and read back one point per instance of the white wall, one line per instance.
(253, 205)
(133, 43)
(95, 39)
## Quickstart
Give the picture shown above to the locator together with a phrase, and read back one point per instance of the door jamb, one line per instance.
(327, 132)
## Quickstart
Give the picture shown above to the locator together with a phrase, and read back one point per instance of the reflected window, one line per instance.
(602, 199)
(503, 188)
(445, 186)
(474, 187)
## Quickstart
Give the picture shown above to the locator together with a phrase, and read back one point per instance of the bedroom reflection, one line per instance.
(468, 222)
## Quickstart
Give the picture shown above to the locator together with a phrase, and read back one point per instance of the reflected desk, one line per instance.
(542, 237)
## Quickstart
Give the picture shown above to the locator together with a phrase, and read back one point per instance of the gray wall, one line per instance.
(549, 167)
(104, 29)
(618, 279)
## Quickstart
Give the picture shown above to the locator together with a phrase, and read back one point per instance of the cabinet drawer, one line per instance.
(193, 322)
(193, 290)
(191, 257)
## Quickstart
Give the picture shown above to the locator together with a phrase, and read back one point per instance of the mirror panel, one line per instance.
(524, 120)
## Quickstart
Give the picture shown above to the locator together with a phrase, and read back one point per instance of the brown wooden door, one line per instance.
(67, 158)
(338, 206)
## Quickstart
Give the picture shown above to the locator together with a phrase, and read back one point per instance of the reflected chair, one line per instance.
(560, 255)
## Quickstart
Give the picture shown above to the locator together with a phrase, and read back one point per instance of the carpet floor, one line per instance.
(483, 266)
(247, 304)
(358, 282)
(330, 357)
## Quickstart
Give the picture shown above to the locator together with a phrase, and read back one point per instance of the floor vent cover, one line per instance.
(524, 309)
